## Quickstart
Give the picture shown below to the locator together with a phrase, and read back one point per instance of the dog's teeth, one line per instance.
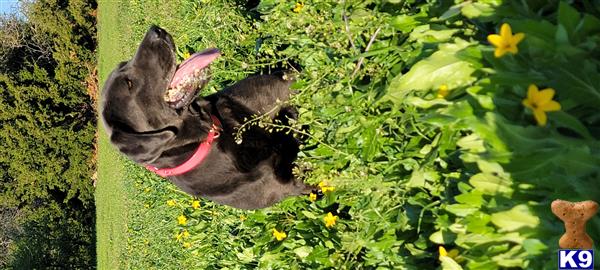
(195, 80)
(169, 95)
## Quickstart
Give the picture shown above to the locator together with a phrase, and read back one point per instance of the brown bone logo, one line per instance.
(575, 215)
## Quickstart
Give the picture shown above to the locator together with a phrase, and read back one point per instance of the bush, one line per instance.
(47, 127)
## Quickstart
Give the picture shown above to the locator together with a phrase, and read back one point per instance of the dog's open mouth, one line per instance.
(191, 76)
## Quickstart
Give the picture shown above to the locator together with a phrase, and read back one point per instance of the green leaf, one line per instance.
(461, 210)
(541, 29)
(490, 167)
(425, 33)
(266, 6)
(258, 216)
(514, 237)
(491, 184)
(329, 244)
(320, 255)
(568, 17)
(461, 110)
(478, 223)
(510, 259)
(484, 100)
(426, 104)
(485, 264)
(475, 9)
(466, 240)
(515, 218)
(423, 178)
(442, 237)
(414, 250)
(590, 25)
(473, 198)
(449, 264)
(303, 251)
(471, 143)
(578, 83)
(246, 256)
(451, 12)
(534, 246)
(309, 214)
(561, 36)
(370, 143)
(464, 187)
(442, 67)
(404, 23)
(566, 120)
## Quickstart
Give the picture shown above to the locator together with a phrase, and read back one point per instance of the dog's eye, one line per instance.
(129, 84)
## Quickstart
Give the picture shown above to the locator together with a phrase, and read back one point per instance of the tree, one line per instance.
(47, 127)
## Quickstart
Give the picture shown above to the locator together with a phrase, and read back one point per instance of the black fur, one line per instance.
(254, 174)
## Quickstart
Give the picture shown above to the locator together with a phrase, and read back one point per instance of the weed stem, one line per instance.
(360, 61)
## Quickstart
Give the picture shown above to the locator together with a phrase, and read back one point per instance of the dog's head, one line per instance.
(143, 99)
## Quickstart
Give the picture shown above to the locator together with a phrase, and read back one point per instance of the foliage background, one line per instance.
(47, 127)
(471, 172)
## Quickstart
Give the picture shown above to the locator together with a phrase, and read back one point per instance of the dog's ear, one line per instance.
(143, 148)
(200, 106)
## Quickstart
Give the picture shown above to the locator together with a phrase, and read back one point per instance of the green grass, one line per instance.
(136, 228)
(118, 206)
(111, 200)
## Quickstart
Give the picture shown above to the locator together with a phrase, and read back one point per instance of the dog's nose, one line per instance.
(156, 32)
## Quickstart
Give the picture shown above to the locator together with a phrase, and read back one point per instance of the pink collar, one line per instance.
(196, 158)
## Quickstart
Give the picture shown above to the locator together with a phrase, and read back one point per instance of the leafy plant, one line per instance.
(419, 128)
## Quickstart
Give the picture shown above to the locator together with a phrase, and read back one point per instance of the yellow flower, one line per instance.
(242, 218)
(298, 7)
(506, 41)
(325, 188)
(443, 91)
(182, 220)
(453, 253)
(186, 55)
(312, 197)
(330, 220)
(443, 252)
(171, 202)
(183, 234)
(195, 204)
(540, 102)
(187, 245)
(146, 205)
(279, 235)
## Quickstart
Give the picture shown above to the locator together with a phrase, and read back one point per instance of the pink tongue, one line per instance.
(196, 62)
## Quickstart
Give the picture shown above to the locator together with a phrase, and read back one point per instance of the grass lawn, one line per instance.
(416, 124)
(111, 201)
(117, 199)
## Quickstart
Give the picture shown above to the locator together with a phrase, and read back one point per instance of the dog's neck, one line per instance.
(194, 129)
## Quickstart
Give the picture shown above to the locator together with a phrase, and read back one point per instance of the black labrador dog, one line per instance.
(153, 114)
